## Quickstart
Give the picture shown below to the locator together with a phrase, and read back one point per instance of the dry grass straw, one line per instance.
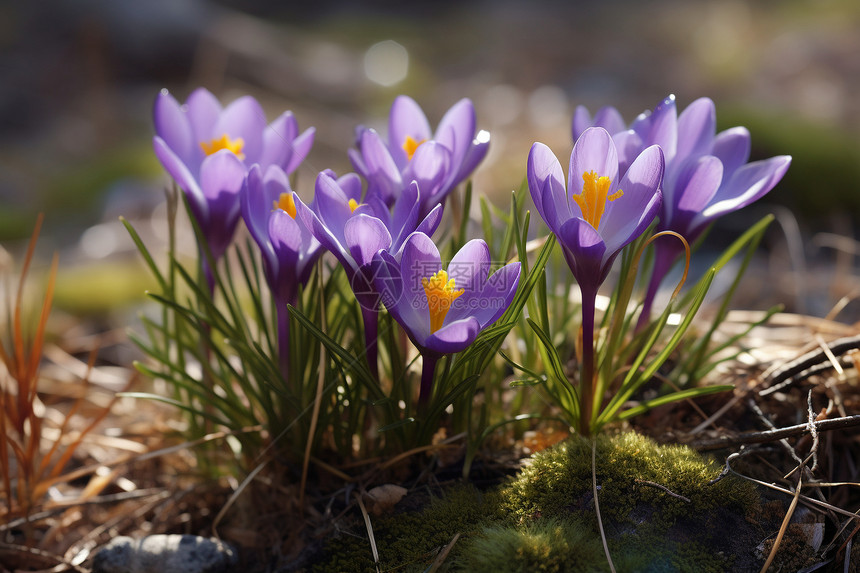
(29, 467)
(597, 504)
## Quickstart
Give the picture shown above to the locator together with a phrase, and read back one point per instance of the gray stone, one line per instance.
(164, 554)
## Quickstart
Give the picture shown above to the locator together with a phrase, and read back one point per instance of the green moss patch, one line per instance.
(659, 512)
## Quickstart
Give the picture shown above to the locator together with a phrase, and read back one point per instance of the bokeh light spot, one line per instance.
(386, 63)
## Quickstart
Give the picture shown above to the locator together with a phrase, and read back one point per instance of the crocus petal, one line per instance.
(546, 185)
(222, 176)
(593, 151)
(732, 148)
(584, 249)
(276, 178)
(551, 199)
(310, 250)
(406, 119)
(286, 239)
(404, 218)
(456, 129)
(491, 301)
(606, 117)
(500, 290)
(180, 173)
(385, 273)
(244, 118)
(221, 173)
(642, 124)
(474, 155)
(173, 127)
(581, 121)
(748, 184)
(383, 175)
(203, 110)
(286, 236)
(366, 209)
(428, 168)
(331, 204)
(629, 145)
(376, 207)
(301, 147)
(663, 128)
(365, 236)
(698, 183)
(470, 266)
(627, 217)
(609, 119)
(350, 184)
(431, 222)
(357, 161)
(333, 243)
(420, 260)
(452, 337)
(255, 208)
(277, 140)
(696, 129)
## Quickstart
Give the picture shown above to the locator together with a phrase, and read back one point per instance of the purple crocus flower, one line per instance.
(353, 232)
(438, 161)
(207, 149)
(707, 173)
(594, 218)
(443, 311)
(287, 245)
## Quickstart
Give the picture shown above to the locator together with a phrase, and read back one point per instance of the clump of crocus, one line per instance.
(287, 245)
(442, 311)
(413, 152)
(354, 231)
(597, 214)
(707, 173)
(208, 149)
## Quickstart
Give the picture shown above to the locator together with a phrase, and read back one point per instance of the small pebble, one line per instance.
(164, 554)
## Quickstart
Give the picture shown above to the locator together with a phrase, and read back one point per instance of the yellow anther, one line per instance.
(224, 142)
(287, 203)
(440, 293)
(410, 145)
(595, 194)
(353, 205)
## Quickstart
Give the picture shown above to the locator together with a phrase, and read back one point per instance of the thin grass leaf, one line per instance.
(179, 405)
(708, 362)
(636, 377)
(144, 252)
(486, 220)
(197, 389)
(438, 406)
(556, 368)
(751, 240)
(353, 363)
(512, 233)
(396, 425)
(688, 393)
(464, 219)
(520, 367)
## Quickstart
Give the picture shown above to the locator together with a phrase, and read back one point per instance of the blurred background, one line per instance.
(78, 79)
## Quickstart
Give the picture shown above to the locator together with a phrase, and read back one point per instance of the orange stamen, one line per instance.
(410, 145)
(440, 293)
(224, 142)
(595, 194)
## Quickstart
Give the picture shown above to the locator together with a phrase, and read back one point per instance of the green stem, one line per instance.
(428, 371)
(587, 372)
